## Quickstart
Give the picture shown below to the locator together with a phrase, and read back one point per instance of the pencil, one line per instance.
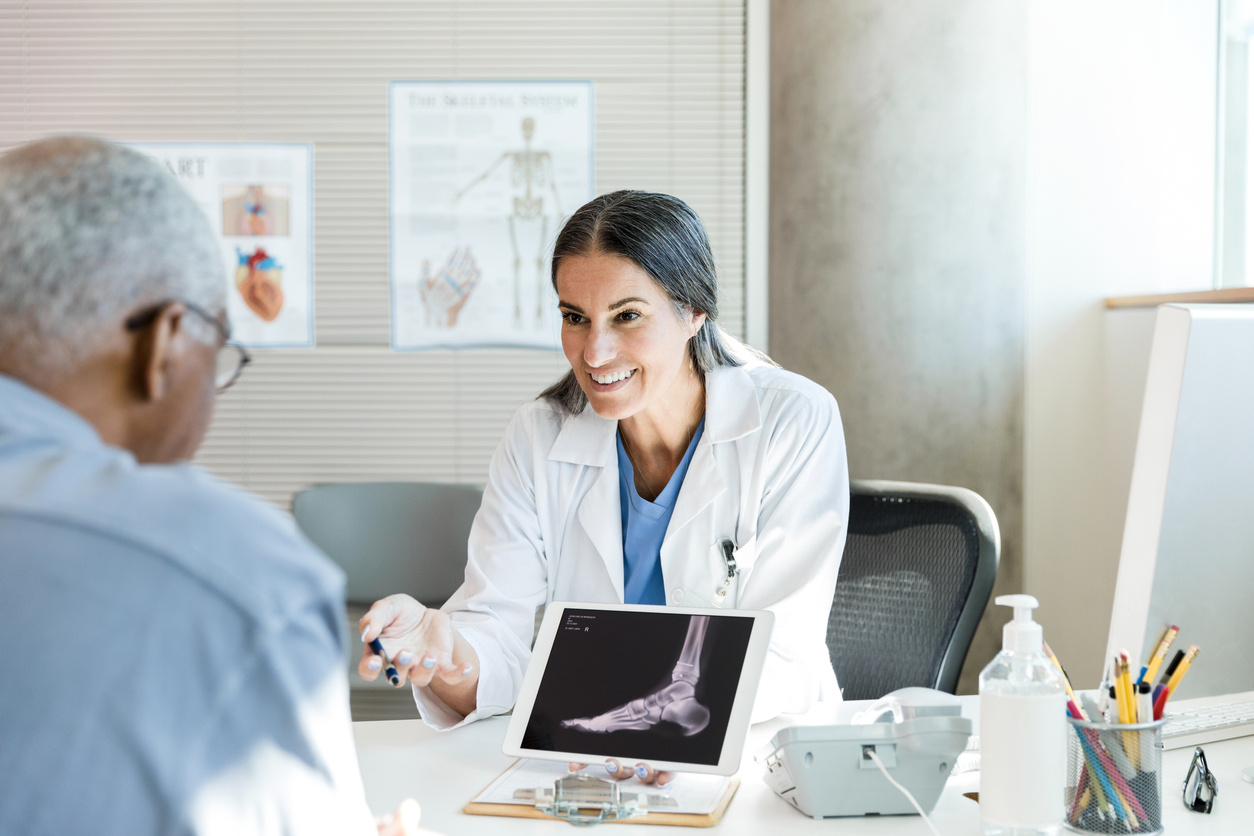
(1164, 644)
(1066, 681)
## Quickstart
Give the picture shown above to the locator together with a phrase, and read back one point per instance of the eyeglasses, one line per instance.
(231, 357)
(1200, 786)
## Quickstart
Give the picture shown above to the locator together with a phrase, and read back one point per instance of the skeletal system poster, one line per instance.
(483, 174)
(258, 198)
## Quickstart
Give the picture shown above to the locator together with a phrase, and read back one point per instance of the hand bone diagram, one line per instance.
(445, 294)
(259, 281)
(674, 703)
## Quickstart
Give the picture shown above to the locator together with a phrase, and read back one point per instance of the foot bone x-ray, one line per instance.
(673, 703)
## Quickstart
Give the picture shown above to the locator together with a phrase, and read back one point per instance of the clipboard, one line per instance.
(527, 811)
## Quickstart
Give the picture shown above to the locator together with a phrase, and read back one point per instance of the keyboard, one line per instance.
(1206, 724)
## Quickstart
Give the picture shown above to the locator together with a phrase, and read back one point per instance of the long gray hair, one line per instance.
(664, 237)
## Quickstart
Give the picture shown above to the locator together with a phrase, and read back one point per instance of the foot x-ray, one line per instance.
(640, 685)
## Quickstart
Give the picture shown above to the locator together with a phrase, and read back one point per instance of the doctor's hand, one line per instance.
(618, 772)
(424, 648)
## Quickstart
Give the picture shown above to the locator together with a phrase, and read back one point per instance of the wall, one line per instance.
(898, 159)
(1120, 201)
(670, 116)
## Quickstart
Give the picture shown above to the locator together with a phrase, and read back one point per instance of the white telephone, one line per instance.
(826, 771)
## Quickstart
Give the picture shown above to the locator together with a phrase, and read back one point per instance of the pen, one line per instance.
(391, 673)
(1175, 663)
(1151, 667)
(1165, 691)
(1174, 682)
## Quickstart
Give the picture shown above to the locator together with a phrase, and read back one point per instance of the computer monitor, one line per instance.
(1188, 541)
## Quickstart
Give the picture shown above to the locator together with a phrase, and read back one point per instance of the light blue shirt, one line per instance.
(157, 627)
(644, 527)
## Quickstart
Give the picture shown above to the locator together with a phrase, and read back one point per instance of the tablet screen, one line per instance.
(654, 686)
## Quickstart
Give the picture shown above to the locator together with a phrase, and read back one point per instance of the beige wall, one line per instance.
(898, 160)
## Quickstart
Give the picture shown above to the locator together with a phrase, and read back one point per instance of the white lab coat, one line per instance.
(769, 473)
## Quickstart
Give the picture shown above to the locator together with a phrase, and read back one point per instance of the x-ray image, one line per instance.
(640, 686)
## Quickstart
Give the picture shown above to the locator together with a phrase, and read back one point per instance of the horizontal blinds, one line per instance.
(669, 117)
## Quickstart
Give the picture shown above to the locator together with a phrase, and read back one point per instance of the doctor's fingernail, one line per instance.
(429, 662)
(611, 767)
(364, 631)
(642, 772)
(375, 663)
(405, 658)
(467, 670)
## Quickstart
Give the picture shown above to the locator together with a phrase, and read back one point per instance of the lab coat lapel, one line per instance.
(600, 514)
(589, 440)
(701, 486)
(731, 412)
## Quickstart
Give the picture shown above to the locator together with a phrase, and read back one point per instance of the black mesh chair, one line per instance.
(917, 572)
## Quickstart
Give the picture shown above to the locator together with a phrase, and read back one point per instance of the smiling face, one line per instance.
(626, 344)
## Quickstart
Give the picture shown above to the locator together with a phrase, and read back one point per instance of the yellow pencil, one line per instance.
(1066, 683)
(1151, 667)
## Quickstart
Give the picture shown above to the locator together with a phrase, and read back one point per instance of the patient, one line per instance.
(172, 657)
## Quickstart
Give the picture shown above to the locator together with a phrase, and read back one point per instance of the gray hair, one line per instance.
(664, 237)
(91, 231)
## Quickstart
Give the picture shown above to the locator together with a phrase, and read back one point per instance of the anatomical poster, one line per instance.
(483, 175)
(259, 200)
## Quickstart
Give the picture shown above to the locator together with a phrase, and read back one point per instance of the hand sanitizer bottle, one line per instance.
(1023, 743)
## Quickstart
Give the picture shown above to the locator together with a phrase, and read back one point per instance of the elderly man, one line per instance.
(172, 645)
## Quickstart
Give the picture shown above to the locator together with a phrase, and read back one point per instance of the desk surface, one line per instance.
(404, 758)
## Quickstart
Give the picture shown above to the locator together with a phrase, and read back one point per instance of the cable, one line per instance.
(871, 754)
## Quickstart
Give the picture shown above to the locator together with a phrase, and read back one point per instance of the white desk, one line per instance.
(403, 758)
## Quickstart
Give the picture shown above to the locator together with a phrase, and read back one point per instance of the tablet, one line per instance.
(672, 686)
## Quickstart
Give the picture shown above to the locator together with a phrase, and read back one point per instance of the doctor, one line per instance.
(624, 481)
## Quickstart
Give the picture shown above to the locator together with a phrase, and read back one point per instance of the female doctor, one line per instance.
(623, 481)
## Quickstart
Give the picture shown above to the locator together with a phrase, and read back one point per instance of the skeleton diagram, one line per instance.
(674, 703)
(530, 172)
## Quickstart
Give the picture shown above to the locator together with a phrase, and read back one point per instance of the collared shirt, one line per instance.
(172, 647)
(644, 526)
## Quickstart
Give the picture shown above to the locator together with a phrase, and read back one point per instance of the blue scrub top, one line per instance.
(644, 527)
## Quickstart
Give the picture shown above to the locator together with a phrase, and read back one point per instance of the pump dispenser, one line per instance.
(1023, 744)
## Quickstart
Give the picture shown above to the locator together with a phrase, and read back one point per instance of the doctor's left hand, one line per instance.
(424, 647)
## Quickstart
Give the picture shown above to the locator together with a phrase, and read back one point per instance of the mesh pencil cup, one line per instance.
(1114, 777)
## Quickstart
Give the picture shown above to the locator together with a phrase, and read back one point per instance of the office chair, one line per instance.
(389, 537)
(916, 575)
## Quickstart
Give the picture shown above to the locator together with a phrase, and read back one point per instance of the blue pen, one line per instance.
(392, 675)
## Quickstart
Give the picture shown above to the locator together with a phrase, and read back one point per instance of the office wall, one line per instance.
(670, 87)
(1121, 160)
(898, 159)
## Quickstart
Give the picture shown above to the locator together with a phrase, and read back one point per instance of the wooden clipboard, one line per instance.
(526, 811)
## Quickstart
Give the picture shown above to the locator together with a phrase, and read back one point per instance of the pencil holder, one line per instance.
(1114, 777)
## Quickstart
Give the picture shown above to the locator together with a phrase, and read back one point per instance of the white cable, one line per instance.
(871, 754)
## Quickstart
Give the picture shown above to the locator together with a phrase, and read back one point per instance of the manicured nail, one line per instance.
(611, 767)
(429, 662)
(375, 663)
(642, 772)
(405, 658)
(364, 631)
(468, 669)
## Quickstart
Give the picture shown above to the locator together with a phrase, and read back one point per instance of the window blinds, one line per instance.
(670, 95)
